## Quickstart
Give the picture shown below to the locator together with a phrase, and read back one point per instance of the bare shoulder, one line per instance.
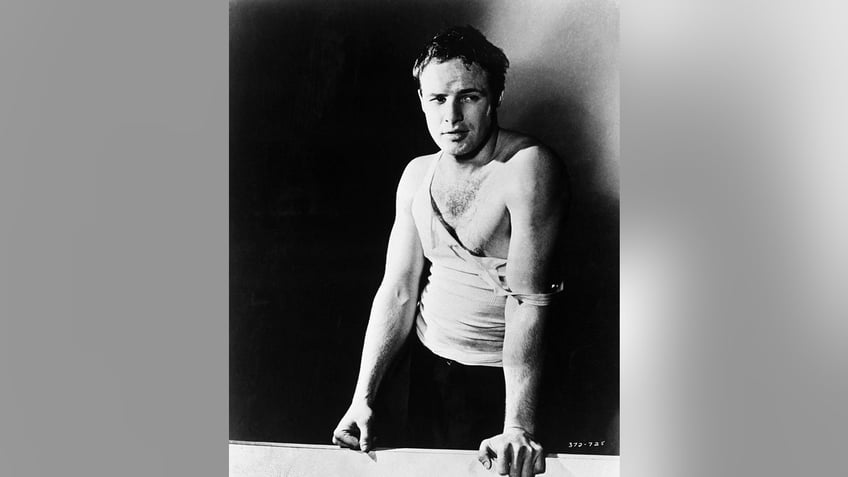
(414, 174)
(534, 170)
(536, 160)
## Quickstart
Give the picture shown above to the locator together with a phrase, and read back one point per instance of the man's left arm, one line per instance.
(534, 200)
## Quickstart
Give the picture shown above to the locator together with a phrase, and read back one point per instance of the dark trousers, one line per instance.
(451, 405)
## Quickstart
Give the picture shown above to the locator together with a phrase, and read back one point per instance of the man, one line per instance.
(477, 221)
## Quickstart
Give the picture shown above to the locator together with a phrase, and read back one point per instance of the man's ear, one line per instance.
(420, 99)
(500, 100)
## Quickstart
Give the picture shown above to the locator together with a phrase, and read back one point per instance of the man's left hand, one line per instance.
(515, 453)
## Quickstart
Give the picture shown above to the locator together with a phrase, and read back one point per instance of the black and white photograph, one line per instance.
(424, 240)
(416, 238)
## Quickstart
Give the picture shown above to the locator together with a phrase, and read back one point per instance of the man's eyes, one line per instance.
(471, 98)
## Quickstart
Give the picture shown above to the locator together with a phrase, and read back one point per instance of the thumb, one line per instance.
(364, 436)
(483, 454)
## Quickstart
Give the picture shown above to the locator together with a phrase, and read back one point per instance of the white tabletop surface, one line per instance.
(264, 459)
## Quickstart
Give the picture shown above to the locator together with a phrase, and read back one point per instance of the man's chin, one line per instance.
(455, 149)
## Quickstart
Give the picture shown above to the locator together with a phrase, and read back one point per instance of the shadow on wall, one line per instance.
(562, 89)
(584, 339)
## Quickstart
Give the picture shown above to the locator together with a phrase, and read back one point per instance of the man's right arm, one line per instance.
(392, 314)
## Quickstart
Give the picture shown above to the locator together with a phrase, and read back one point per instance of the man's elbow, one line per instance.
(400, 293)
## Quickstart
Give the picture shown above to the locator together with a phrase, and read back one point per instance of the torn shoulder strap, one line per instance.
(489, 274)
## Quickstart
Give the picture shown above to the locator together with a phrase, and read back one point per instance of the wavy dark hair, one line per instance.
(470, 46)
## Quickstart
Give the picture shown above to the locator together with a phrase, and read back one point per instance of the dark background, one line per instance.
(323, 119)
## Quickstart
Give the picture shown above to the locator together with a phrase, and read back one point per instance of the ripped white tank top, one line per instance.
(461, 308)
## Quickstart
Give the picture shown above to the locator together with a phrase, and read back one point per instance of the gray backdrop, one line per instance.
(113, 243)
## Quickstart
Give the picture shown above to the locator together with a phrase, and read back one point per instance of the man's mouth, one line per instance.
(456, 132)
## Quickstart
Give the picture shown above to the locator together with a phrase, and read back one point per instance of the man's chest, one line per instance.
(475, 209)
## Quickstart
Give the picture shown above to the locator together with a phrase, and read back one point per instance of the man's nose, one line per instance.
(453, 114)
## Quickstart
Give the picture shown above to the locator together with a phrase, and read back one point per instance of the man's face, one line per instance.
(457, 104)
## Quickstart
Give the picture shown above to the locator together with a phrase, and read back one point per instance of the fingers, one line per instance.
(354, 429)
(519, 455)
(527, 462)
(539, 465)
(510, 459)
(485, 453)
(504, 458)
(344, 438)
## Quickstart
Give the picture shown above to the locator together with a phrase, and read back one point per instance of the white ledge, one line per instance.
(268, 459)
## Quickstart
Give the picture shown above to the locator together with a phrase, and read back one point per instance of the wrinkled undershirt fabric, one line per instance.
(461, 309)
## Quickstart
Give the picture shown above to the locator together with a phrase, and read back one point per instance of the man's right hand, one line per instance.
(354, 429)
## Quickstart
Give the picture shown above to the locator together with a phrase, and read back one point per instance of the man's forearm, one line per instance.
(522, 363)
(391, 319)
